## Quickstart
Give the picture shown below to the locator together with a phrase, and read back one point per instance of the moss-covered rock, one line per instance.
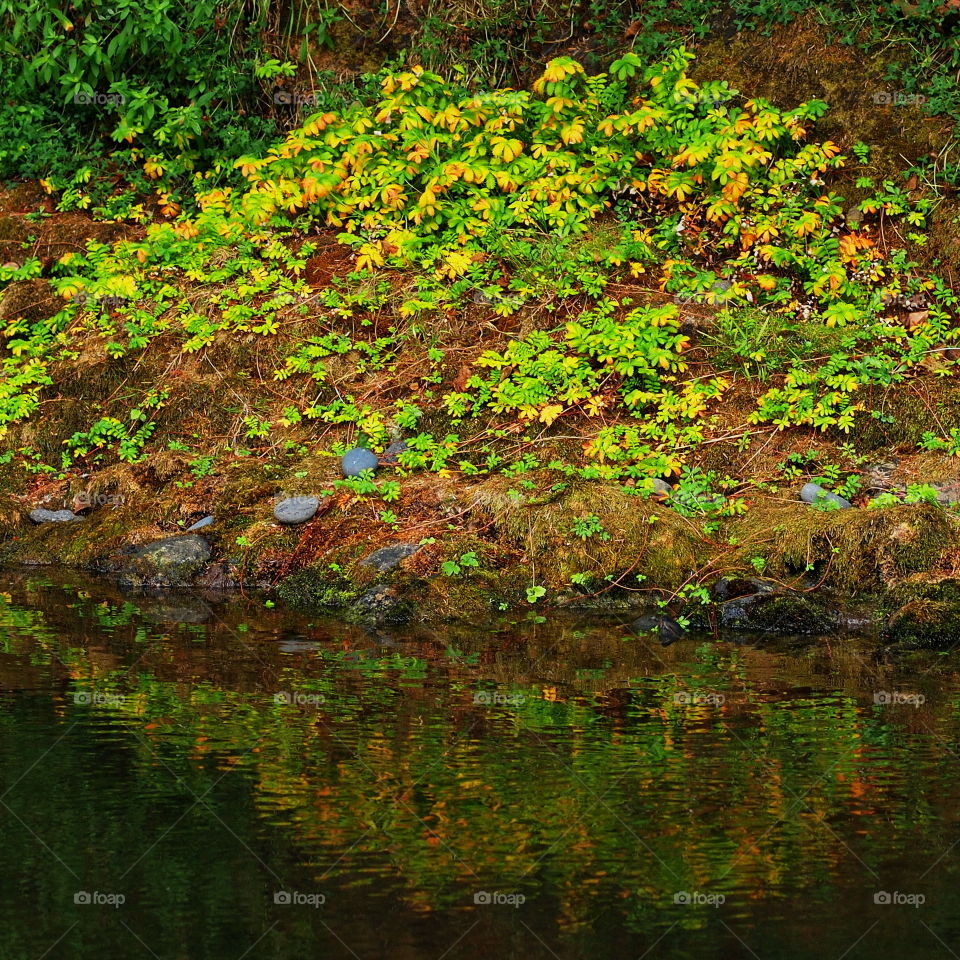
(781, 613)
(854, 551)
(636, 536)
(928, 624)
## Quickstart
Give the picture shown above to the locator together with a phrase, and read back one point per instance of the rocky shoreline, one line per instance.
(783, 568)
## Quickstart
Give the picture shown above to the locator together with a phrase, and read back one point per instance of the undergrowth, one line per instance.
(449, 200)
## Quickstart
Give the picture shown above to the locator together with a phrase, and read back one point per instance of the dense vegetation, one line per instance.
(602, 272)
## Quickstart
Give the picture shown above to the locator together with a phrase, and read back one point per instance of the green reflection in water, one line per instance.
(201, 758)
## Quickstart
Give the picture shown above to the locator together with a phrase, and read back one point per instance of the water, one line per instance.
(221, 781)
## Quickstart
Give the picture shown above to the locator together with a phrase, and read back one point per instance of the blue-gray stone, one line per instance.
(42, 515)
(296, 509)
(386, 558)
(394, 450)
(200, 524)
(814, 493)
(357, 460)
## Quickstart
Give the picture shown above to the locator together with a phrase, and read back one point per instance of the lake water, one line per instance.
(187, 778)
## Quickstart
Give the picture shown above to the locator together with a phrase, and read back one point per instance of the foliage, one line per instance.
(515, 202)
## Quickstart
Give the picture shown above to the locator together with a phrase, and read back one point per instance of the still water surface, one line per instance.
(187, 778)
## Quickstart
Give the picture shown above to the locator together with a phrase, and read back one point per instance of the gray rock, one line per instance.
(386, 558)
(200, 524)
(731, 588)
(42, 515)
(948, 493)
(668, 630)
(168, 562)
(296, 509)
(380, 604)
(877, 477)
(814, 493)
(357, 460)
(393, 451)
(661, 487)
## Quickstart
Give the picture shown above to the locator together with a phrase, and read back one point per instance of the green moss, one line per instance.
(787, 614)
(318, 587)
(853, 550)
(642, 537)
(929, 624)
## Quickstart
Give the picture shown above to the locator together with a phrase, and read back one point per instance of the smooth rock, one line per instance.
(814, 493)
(668, 630)
(200, 524)
(42, 515)
(357, 460)
(386, 558)
(296, 509)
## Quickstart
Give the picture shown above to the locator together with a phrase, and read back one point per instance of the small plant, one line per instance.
(589, 526)
(454, 568)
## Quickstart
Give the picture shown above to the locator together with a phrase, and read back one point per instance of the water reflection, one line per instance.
(248, 780)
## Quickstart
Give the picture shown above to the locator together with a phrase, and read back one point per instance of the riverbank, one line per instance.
(610, 399)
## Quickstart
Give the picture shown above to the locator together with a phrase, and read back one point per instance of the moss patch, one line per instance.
(852, 550)
(638, 536)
